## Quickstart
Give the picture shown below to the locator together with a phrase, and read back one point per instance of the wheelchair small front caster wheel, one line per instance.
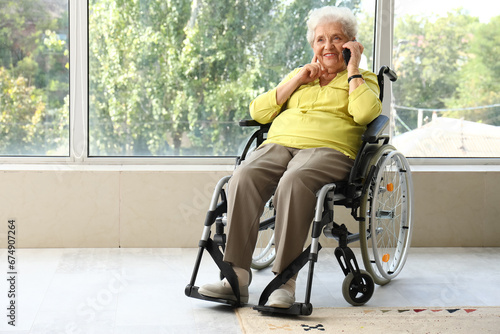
(358, 294)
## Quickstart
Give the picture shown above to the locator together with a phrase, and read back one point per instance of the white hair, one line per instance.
(329, 14)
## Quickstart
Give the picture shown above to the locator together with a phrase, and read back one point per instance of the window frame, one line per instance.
(79, 101)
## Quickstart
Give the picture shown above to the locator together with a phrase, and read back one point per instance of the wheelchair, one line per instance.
(378, 193)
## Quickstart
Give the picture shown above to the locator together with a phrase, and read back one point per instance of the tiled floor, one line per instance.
(142, 290)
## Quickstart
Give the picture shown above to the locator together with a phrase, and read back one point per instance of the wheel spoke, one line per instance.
(388, 216)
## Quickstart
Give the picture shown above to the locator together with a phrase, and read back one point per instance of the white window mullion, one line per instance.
(78, 80)
(384, 30)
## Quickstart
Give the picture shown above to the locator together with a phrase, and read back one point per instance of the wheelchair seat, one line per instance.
(378, 193)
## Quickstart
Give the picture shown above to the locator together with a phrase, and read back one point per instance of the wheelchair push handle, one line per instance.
(388, 72)
(385, 70)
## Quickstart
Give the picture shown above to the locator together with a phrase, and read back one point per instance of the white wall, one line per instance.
(165, 207)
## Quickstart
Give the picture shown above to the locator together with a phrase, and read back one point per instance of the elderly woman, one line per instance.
(318, 113)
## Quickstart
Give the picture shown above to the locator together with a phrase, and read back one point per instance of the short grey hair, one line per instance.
(329, 14)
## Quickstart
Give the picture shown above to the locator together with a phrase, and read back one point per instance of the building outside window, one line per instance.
(447, 98)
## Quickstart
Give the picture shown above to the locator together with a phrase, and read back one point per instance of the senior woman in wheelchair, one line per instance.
(318, 114)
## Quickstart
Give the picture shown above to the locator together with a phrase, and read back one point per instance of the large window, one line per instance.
(447, 98)
(34, 78)
(172, 78)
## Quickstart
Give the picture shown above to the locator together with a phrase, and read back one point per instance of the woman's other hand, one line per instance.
(310, 72)
(307, 74)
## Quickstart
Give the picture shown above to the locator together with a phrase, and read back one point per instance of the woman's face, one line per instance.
(327, 46)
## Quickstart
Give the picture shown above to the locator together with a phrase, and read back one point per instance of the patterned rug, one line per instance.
(457, 320)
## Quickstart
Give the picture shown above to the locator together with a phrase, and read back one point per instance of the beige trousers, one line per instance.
(294, 176)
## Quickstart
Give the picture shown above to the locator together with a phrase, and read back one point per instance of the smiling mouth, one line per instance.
(329, 55)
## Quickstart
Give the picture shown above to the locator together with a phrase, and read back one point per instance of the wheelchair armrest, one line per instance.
(257, 137)
(248, 122)
(251, 122)
(375, 128)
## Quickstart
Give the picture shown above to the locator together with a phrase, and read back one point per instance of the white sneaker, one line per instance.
(281, 298)
(223, 290)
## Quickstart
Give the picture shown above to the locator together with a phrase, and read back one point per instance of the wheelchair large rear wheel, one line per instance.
(385, 233)
(265, 253)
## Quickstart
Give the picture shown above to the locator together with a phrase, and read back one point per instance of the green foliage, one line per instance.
(135, 71)
(478, 82)
(34, 78)
(174, 77)
(21, 113)
(446, 62)
(23, 126)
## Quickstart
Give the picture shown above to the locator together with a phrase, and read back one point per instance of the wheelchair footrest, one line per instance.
(295, 309)
(192, 291)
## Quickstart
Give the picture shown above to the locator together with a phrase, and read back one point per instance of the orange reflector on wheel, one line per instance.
(390, 187)
(386, 258)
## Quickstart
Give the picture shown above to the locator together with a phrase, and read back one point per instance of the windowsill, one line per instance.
(115, 168)
(229, 167)
(455, 168)
(209, 164)
(455, 165)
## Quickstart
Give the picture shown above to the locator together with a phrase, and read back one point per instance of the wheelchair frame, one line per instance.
(376, 164)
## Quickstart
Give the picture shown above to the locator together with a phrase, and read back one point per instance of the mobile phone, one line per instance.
(346, 53)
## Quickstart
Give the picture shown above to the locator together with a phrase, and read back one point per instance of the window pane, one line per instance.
(447, 97)
(172, 78)
(34, 78)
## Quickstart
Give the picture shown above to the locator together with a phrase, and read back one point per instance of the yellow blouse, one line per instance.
(316, 116)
